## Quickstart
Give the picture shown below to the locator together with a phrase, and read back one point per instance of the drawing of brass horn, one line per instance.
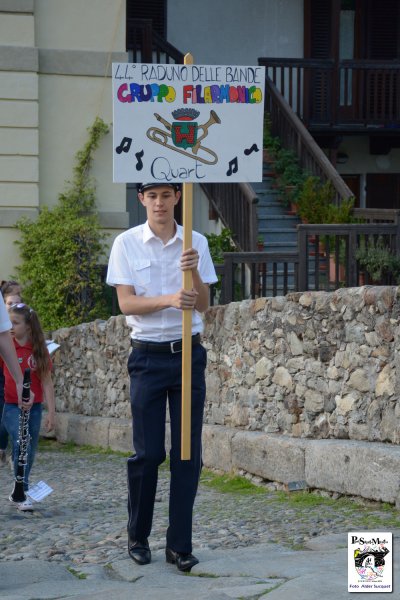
(161, 137)
(214, 118)
(163, 121)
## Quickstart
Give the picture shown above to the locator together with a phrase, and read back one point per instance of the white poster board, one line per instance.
(187, 123)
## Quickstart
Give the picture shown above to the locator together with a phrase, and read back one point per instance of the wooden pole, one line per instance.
(187, 318)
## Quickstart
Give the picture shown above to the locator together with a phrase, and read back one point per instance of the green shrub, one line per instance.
(220, 243)
(61, 251)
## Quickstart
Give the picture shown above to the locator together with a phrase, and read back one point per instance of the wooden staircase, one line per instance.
(276, 227)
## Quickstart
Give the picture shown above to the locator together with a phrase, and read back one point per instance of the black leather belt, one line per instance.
(168, 347)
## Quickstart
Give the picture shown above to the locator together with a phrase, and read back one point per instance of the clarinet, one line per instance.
(18, 494)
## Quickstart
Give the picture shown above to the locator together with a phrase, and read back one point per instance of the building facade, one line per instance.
(55, 66)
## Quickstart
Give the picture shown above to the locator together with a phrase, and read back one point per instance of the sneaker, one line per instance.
(3, 457)
(26, 505)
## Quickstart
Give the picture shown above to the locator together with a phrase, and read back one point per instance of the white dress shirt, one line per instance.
(140, 259)
(5, 323)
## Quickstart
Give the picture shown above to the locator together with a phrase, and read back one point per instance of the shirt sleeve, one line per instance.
(5, 323)
(206, 265)
(119, 272)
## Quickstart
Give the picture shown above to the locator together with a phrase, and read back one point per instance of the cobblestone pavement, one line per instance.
(84, 520)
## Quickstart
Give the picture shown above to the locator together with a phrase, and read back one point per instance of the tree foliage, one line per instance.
(61, 251)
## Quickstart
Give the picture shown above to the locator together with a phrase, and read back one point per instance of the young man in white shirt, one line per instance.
(145, 266)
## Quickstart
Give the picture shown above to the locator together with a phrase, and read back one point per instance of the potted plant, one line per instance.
(260, 244)
(271, 144)
(316, 205)
(378, 261)
(292, 181)
(285, 159)
(314, 200)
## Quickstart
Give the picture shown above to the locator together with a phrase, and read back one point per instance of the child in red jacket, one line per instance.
(32, 353)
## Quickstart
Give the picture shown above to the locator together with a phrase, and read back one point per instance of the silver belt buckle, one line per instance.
(173, 351)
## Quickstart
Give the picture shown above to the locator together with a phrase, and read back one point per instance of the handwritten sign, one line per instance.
(187, 123)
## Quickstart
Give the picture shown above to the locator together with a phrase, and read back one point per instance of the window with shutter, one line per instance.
(319, 46)
(383, 190)
(153, 11)
(156, 10)
(382, 35)
(382, 30)
(321, 35)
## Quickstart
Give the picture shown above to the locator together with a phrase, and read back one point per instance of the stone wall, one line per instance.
(288, 379)
(307, 365)
(91, 369)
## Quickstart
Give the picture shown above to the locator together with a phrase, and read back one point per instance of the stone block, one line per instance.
(13, 29)
(114, 219)
(91, 431)
(19, 194)
(314, 402)
(366, 469)
(120, 435)
(359, 381)
(19, 168)
(19, 141)
(283, 378)
(9, 216)
(62, 422)
(273, 457)
(217, 447)
(19, 86)
(16, 6)
(23, 114)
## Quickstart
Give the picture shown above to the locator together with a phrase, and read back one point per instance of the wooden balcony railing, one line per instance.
(352, 93)
(377, 215)
(235, 204)
(258, 274)
(338, 259)
(249, 275)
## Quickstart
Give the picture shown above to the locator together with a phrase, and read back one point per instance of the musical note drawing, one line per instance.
(124, 146)
(139, 164)
(250, 150)
(233, 166)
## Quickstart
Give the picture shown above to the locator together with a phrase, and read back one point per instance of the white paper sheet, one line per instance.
(39, 491)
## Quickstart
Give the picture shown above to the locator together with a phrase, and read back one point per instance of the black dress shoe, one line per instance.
(139, 551)
(184, 562)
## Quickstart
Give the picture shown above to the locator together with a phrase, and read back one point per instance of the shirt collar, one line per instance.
(148, 234)
(28, 344)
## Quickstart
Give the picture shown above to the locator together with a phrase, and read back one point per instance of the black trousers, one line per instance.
(155, 379)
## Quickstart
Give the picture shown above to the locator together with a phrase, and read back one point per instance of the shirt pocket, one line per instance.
(141, 272)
